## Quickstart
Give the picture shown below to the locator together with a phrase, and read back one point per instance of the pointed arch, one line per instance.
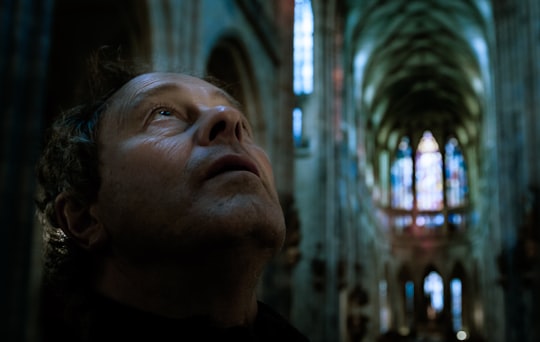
(455, 174)
(433, 293)
(428, 173)
(408, 295)
(457, 284)
(401, 175)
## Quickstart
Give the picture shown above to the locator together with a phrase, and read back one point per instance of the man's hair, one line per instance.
(70, 164)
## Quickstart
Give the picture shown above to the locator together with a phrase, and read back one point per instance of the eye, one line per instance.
(164, 112)
(169, 117)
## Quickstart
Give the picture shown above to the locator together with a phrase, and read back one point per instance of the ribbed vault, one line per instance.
(417, 67)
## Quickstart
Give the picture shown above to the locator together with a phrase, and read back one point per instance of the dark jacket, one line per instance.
(103, 319)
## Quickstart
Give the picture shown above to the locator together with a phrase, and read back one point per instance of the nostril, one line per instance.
(216, 129)
(238, 131)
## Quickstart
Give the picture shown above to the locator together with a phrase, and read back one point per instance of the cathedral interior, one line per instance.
(404, 136)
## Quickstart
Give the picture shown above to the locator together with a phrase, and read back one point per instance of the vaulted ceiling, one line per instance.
(419, 64)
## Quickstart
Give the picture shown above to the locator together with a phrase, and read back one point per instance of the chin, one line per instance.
(265, 234)
(271, 240)
(261, 226)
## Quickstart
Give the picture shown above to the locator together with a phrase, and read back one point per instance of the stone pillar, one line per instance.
(516, 95)
(24, 50)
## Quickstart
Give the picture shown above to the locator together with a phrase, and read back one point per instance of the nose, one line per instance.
(220, 124)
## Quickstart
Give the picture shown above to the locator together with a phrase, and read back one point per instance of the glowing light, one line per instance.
(360, 61)
(404, 331)
(401, 176)
(429, 186)
(303, 47)
(456, 179)
(461, 335)
(455, 291)
(477, 85)
(433, 287)
(297, 126)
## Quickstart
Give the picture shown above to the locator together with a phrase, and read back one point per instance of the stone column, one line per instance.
(24, 50)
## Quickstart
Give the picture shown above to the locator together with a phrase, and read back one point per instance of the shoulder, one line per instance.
(271, 326)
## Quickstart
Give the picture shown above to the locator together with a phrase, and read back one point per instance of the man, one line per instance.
(161, 213)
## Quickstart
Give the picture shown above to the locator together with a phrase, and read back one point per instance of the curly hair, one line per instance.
(69, 164)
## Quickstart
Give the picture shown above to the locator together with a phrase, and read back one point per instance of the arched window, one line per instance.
(456, 179)
(401, 176)
(303, 47)
(434, 291)
(297, 126)
(455, 291)
(420, 189)
(409, 298)
(429, 188)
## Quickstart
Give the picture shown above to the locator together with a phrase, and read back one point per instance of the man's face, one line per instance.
(180, 171)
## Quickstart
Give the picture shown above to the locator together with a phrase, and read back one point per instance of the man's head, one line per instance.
(163, 169)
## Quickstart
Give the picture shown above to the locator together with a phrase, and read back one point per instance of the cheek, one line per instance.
(266, 166)
(267, 173)
(161, 158)
(143, 169)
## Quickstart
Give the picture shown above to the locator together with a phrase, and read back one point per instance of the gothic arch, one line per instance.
(407, 297)
(404, 273)
(459, 272)
(230, 62)
(429, 311)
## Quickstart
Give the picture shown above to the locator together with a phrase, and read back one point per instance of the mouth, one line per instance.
(232, 163)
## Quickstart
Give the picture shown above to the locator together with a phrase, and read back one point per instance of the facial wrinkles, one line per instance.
(130, 106)
(128, 99)
(157, 151)
(190, 101)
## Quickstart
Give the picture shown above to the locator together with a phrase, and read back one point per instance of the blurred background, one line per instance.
(404, 136)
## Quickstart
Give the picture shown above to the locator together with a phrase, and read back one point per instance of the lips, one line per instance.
(232, 163)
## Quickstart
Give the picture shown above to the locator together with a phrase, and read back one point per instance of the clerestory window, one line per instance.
(303, 66)
(303, 47)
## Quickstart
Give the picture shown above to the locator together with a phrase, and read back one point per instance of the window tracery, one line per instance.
(428, 185)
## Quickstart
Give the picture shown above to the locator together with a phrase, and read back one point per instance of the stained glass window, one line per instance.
(402, 221)
(455, 290)
(429, 184)
(427, 189)
(303, 47)
(297, 127)
(430, 221)
(401, 176)
(456, 179)
(433, 288)
(409, 297)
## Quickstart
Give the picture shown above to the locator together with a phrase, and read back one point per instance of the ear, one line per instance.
(80, 222)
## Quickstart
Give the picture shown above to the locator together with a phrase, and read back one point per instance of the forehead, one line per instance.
(155, 84)
(131, 98)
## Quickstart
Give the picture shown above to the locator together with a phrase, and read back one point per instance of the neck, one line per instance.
(219, 285)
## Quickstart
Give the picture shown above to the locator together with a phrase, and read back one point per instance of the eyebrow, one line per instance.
(140, 97)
